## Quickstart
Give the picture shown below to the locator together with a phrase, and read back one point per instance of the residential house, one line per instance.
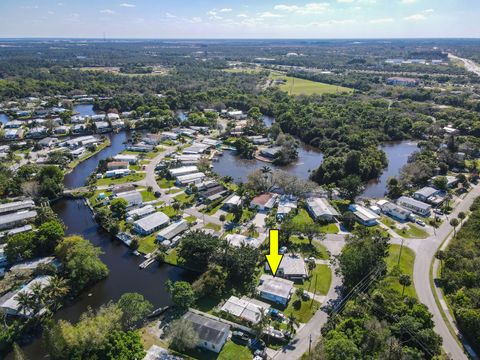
(11, 220)
(102, 127)
(270, 152)
(190, 179)
(275, 289)
(151, 223)
(394, 210)
(172, 230)
(141, 147)
(291, 267)
(264, 202)
(115, 165)
(321, 209)
(9, 303)
(249, 310)
(237, 240)
(212, 334)
(184, 170)
(130, 158)
(425, 193)
(134, 198)
(13, 134)
(232, 201)
(416, 206)
(402, 81)
(118, 173)
(16, 206)
(14, 124)
(61, 130)
(286, 204)
(139, 213)
(364, 216)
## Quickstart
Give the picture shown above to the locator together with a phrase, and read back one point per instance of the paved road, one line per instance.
(470, 65)
(425, 252)
(310, 333)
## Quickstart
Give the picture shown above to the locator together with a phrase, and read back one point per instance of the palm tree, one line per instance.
(404, 280)
(262, 324)
(292, 322)
(24, 301)
(454, 222)
(252, 229)
(55, 291)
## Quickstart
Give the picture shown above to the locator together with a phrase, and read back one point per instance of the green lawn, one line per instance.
(170, 211)
(232, 351)
(147, 196)
(316, 250)
(214, 227)
(172, 257)
(185, 198)
(297, 86)
(148, 155)
(191, 219)
(94, 198)
(302, 310)
(329, 229)
(302, 218)
(323, 276)
(147, 244)
(126, 179)
(173, 191)
(166, 184)
(408, 231)
(406, 267)
(89, 154)
(247, 214)
(213, 210)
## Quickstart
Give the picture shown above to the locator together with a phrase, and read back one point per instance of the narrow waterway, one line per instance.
(3, 118)
(309, 158)
(397, 155)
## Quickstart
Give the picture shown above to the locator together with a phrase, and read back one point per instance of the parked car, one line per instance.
(420, 222)
(438, 212)
(240, 337)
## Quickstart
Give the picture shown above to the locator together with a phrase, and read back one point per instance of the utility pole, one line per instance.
(400, 253)
(310, 345)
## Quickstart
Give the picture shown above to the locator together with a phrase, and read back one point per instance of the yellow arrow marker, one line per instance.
(274, 258)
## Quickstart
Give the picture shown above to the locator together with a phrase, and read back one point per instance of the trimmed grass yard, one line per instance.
(89, 154)
(302, 310)
(165, 184)
(406, 267)
(329, 229)
(247, 214)
(147, 196)
(172, 257)
(185, 198)
(147, 244)
(407, 230)
(214, 227)
(170, 211)
(316, 250)
(232, 351)
(302, 218)
(297, 86)
(322, 285)
(149, 155)
(126, 179)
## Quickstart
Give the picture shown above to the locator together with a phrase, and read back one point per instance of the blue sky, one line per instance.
(239, 19)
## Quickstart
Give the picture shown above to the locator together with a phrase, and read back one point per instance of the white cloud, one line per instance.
(268, 14)
(345, 1)
(428, 11)
(415, 17)
(381, 21)
(169, 15)
(242, 15)
(107, 11)
(225, 10)
(213, 15)
(408, 2)
(51, 13)
(307, 9)
(127, 5)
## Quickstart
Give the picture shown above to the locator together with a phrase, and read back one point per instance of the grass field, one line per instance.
(322, 285)
(297, 86)
(302, 310)
(406, 267)
(147, 244)
(408, 231)
(232, 351)
(126, 179)
(316, 250)
(165, 184)
(147, 196)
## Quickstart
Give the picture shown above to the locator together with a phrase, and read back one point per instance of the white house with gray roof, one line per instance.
(151, 223)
